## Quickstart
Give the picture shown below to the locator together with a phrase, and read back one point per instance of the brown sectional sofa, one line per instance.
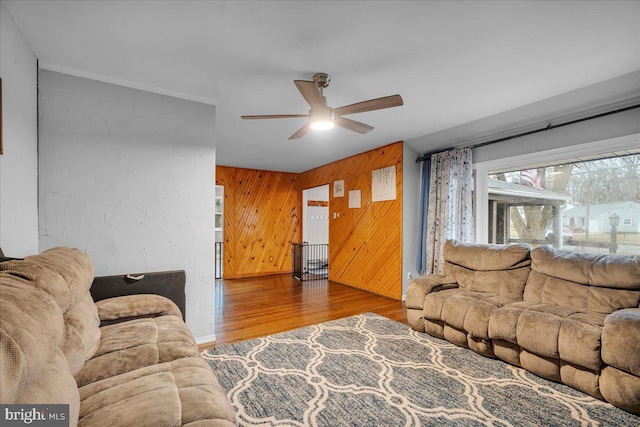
(566, 316)
(141, 368)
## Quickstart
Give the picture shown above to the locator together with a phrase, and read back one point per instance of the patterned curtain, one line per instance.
(450, 209)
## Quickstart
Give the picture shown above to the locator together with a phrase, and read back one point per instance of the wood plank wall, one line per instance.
(365, 245)
(262, 215)
(261, 219)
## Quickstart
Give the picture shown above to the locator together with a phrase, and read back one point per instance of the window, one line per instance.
(589, 203)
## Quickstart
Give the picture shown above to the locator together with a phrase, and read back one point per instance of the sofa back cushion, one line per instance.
(66, 275)
(81, 333)
(30, 330)
(33, 369)
(591, 283)
(499, 269)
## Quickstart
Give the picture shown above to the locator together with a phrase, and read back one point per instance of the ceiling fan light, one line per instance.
(322, 124)
(321, 119)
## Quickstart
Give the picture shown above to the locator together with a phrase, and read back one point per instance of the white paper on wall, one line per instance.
(383, 184)
(354, 199)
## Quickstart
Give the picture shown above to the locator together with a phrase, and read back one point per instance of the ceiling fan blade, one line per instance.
(352, 125)
(370, 105)
(310, 93)
(275, 116)
(301, 132)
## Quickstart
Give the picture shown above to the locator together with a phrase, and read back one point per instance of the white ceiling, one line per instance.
(452, 62)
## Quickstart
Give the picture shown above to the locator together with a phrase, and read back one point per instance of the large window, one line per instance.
(591, 206)
(589, 203)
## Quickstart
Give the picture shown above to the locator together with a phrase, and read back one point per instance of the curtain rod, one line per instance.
(548, 127)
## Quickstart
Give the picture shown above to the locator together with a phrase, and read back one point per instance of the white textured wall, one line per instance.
(595, 99)
(128, 177)
(613, 126)
(19, 164)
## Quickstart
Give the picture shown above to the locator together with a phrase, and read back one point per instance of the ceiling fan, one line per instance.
(321, 116)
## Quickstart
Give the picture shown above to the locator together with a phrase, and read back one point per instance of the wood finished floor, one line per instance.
(255, 307)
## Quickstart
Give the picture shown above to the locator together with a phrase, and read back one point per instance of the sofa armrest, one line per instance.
(620, 344)
(422, 286)
(120, 309)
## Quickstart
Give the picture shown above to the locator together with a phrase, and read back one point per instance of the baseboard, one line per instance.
(263, 274)
(206, 339)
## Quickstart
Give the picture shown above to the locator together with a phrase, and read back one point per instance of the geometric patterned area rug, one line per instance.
(368, 370)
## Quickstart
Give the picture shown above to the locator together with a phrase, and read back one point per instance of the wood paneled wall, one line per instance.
(365, 245)
(262, 216)
(261, 219)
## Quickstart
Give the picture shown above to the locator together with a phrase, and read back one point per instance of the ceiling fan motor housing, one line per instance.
(322, 79)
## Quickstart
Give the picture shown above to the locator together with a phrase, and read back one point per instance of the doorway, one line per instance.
(311, 258)
(315, 215)
(219, 230)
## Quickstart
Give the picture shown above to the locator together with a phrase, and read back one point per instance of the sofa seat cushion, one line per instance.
(580, 340)
(434, 302)
(522, 323)
(551, 331)
(135, 344)
(470, 311)
(182, 392)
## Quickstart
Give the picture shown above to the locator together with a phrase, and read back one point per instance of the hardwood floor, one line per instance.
(255, 307)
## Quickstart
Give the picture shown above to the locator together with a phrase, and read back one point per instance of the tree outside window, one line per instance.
(569, 205)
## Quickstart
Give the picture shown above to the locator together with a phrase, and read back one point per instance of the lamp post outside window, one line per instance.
(614, 220)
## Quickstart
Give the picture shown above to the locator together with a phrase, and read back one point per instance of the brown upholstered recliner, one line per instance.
(569, 317)
(478, 279)
(143, 369)
(556, 332)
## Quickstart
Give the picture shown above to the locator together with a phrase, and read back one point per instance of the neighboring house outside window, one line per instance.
(568, 203)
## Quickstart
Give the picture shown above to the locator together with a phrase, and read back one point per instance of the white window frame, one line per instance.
(582, 151)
